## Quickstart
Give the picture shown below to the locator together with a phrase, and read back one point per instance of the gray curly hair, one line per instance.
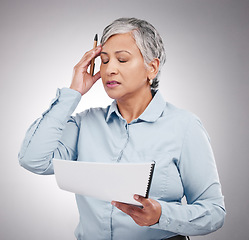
(146, 37)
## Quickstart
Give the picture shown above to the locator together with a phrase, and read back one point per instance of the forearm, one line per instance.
(205, 211)
(42, 140)
(200, 218)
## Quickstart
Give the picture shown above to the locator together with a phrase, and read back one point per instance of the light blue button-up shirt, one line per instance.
(175, 139)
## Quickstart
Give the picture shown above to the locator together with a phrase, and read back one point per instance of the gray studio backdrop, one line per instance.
(206, 72)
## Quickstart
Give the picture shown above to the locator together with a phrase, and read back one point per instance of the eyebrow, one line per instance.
(117, 52)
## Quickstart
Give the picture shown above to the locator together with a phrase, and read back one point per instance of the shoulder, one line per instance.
(179, 115)
(189, 122)
(183, 121)
(92, 114)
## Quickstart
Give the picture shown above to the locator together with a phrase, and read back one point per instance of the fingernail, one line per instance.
(136, 197)
(113, 203)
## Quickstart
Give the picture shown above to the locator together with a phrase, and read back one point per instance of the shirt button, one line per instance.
(179, 227)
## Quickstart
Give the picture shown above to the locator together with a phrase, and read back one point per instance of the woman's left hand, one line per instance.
(146, 216)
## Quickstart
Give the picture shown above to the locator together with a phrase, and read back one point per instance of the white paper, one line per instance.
(105, 181)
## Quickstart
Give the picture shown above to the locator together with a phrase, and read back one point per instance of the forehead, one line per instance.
(120, 42)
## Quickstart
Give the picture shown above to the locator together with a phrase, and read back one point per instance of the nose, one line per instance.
(111, 68)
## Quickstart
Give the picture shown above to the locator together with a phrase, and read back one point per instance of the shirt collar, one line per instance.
(153, 111)
(113, 108)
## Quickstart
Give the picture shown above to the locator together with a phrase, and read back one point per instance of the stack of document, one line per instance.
(105, 181)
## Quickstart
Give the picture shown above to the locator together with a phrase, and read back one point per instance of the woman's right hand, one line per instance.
(82, 80)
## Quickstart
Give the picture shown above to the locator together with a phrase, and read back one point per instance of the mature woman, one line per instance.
(137, 127)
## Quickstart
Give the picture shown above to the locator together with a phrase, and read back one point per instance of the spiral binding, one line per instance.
(150, 179)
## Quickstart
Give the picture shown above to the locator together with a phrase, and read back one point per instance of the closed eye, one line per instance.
(105, 62)
(121, 61)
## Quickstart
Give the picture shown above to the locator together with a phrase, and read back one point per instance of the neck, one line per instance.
(132, 107)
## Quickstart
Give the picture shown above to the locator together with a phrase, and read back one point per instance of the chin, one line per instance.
(112, 95)
(110, 92)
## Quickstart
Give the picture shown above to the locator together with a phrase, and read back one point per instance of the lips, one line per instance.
(112, 84)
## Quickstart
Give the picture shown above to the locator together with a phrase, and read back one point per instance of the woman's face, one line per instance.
(122, 69)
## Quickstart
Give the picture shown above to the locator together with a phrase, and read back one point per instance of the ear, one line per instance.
(153, 68)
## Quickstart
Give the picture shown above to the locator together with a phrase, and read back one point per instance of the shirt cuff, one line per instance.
(164, 221)
(64, 104)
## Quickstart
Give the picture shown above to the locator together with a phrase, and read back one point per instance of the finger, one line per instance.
(83, 64)
(96, 76)
(94, 55)
(86, 61)
(92, 50)
(130, 210)
(88, 56)
(144, 201)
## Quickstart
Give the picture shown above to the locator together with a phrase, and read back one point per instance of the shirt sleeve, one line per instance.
(205, 210)
(54, 135)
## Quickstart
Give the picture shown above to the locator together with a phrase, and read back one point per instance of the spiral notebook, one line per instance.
(105, 181)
